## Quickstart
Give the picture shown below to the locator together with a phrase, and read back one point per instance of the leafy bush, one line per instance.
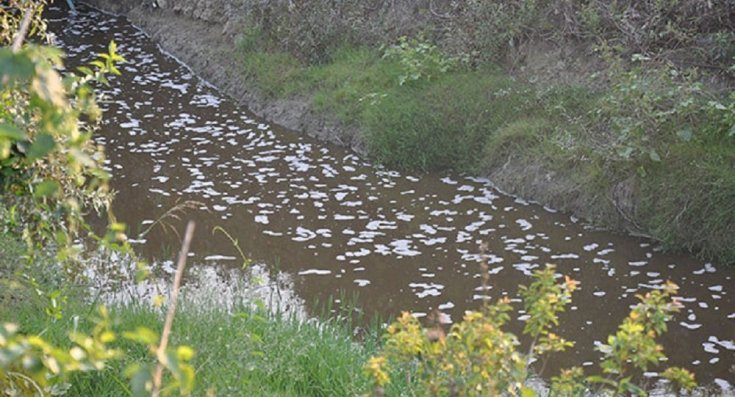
(419, 59)
(649, 109)
(478, 358)
(444, 123)
(51, 172)
(654, 27)
(32, 366)
(493, 28)
(50, 169)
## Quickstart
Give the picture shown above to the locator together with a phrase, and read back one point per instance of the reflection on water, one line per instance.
(113, 280)
(334, 222)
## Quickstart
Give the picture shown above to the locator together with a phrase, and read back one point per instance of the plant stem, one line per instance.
(23, 30)
(161, 352)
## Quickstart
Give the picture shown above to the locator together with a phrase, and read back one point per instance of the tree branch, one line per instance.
(23, 30)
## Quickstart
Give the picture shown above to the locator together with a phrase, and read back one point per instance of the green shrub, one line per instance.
(689, 200)
(517, 137)
(51, 171)
(355, 79)
(419, 59)
(479, 358)
(276, 74)
(445, 123)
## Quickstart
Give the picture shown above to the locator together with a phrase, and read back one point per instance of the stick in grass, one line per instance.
(161, 352)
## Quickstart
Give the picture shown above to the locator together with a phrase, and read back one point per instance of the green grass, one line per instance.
(689, 200)
(243, 353)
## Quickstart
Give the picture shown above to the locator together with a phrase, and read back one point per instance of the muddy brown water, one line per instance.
(338, 224)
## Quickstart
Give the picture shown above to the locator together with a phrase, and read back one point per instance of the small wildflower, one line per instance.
(375, 369)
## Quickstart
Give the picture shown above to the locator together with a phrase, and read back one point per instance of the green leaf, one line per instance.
(184, 353)
(632, 388)
(85, 70)
(11, 132)
(46, 188)
(654, 155)
(600, 379)
(4, 150)
(527, 392)
(625, 152)
(98, 64)
(685, 134)
(142, 335)
(42, 146)
(140, 379)
(14, 67)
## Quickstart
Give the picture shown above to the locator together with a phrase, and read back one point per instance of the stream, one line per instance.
(338, 226)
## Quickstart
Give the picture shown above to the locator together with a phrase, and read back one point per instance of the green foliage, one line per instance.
(355, 79)
(543, 300)
(11, 16)
(494, 28)
(634, 344)
(175, 360)
(51, 172)
(478, 358)
(31, 366)
(277, 74)
(242, 351)
(634, 348)
(444, 123)
(50, 169)
(520, 136)
(653, 108)
(419, 59)
(689, 200)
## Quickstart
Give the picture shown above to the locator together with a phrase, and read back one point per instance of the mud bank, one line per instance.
(203, 34)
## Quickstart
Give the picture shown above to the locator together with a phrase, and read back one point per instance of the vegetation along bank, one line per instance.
(621, 113)
(56, 340)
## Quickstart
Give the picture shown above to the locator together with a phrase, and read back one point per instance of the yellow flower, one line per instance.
(374, 367)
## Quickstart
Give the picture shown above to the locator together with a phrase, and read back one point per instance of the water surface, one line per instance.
(334, 222)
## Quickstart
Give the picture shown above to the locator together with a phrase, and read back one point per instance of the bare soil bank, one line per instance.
(202, 34)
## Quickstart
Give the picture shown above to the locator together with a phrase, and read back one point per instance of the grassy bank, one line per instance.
(238, 353)
(244, 353)
(645, 143)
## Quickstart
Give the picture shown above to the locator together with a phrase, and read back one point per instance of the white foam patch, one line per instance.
(316, 272)
(219, 258)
